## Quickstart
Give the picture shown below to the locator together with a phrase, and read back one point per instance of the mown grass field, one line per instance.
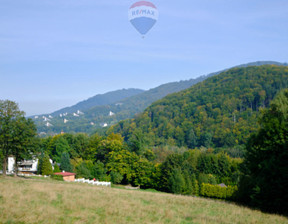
(48, 201)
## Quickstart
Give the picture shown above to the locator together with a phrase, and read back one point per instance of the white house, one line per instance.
(80, 112)
(75, 115)
(25, 166)
(28, 166)
(111, 113)
(103, 125)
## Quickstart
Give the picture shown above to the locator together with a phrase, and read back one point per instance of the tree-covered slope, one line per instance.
(221, 111)
(123, 104)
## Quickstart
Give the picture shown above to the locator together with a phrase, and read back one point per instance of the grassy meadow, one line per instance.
(49, 201)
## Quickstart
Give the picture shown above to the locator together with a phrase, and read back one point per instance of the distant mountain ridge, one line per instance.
(111, 108)
(100, 99)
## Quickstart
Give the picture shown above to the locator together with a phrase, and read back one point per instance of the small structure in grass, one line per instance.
(67, 176)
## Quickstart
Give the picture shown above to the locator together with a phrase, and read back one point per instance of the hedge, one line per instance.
(216, 191)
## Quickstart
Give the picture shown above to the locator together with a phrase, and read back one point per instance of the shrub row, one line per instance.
(216, 191)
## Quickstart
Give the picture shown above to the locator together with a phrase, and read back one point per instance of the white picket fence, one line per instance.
(97, 183)
(31, 175)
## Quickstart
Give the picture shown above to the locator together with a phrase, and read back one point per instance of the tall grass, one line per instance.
(48, 201)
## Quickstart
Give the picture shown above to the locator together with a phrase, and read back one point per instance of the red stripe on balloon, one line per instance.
(143, 3)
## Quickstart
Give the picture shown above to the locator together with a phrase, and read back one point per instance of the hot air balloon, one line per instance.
(143, 15)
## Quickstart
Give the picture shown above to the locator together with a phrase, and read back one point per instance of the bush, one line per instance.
(57, 177)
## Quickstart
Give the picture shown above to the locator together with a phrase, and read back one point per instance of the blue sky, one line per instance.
(54, 53)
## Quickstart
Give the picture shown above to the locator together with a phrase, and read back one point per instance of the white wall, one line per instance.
(11, 164)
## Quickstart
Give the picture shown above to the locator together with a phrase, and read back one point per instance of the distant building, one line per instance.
(48, 124)
(222, 185)
(28, 166)
(80, 112)
(111, 113)
(103, 125)
(66, 176)
(25, 166)
(46, 119)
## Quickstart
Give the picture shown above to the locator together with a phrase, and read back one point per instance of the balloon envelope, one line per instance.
(143, 15)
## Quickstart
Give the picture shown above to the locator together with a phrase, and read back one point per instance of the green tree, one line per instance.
(99, 171)
(56, 169)
(83, 170)
(65, 162)
(16, 132)
(116, 177)
(121, 162)
(113, 143)
(265, 180)
(177, 182)
(91, 151)
(40, 162)
(46, 167)
(172, 162)
(23, 140)
(61, 146)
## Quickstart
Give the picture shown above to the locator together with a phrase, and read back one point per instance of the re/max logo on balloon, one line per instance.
(143, 12)
(143, 15)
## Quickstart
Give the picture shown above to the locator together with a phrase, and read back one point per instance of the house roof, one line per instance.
(64, 174)
(26, 163)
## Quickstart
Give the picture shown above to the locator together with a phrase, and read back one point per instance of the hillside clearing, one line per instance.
(47, 201)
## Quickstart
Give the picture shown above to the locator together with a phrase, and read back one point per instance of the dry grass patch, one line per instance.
(47, 201)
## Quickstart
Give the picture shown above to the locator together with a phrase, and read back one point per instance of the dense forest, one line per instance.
(110, 159)
(220, 112)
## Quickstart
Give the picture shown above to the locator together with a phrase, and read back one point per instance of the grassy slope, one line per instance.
(47, 201)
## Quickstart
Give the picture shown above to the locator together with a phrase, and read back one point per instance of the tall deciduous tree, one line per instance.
(23, 140)
(265, 182)
(16, 133)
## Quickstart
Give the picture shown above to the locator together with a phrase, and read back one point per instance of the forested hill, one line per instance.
(110, 108)
(222, 111)
(99, 100)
